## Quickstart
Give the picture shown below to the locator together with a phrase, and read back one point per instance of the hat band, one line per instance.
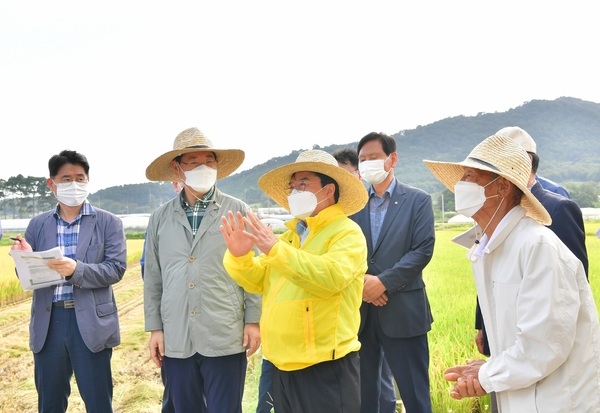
(489, 165)
(198, 147)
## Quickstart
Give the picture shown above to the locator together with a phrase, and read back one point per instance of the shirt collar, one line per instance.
(86, 209)
(204, 199)
(390, 189)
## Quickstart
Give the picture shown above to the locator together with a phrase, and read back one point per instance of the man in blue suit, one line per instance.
(74, 325)
(398, 225)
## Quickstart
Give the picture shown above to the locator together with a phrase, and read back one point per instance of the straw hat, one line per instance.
(520, 136)
(353, 194)
(192, 140)
(502, 156)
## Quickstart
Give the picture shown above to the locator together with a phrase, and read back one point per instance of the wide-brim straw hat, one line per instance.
(500, 155)
(353, 194)
(192, 140)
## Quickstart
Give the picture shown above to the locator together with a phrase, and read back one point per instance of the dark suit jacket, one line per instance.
(101, 261)
(567, 221)
(404, 248)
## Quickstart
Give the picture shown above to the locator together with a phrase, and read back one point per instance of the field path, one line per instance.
(137, 381)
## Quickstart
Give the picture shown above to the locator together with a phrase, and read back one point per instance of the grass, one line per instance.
(451, 292)
(137, 383)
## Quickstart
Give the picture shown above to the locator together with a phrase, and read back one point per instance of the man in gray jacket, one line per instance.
(201, 322)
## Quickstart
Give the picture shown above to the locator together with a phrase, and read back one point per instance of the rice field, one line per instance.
(137, 384)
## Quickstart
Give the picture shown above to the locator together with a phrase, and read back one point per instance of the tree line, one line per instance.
(24, 196)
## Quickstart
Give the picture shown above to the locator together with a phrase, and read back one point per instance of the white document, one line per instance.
(32, 268)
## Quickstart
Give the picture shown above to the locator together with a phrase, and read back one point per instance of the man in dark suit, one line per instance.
(74, 325)
(348, 159)
(398, 225)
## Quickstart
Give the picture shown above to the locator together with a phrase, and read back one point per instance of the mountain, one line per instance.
(566, 130)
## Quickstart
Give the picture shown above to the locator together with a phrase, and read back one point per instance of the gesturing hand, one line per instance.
(264, 238)
(239, 241)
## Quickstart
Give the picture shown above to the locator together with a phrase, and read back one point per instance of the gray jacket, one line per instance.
(187, 292)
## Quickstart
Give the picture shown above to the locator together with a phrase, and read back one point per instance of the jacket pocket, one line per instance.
(105, 309)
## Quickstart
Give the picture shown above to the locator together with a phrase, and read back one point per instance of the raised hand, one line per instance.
(239, 241)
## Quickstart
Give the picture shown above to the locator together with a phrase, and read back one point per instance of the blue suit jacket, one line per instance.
(567, 221)
(404, 248)
(101, 261)
(552, 186)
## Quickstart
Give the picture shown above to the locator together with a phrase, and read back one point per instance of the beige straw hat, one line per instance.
(500, 155)
(353, 194)
(192, 140)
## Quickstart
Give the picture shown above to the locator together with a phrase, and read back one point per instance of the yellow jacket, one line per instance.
(311, 293)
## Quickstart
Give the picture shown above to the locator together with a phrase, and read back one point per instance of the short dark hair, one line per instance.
(57, 161)
(388, 144)
(535, 161)
(326, 180)
(346, 156)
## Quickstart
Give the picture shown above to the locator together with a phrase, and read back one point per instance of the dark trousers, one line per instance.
(63, 354)
(167, 403)
(265, 388)
(205, 384)
(387, 397)
(328, 387)
(408, 358)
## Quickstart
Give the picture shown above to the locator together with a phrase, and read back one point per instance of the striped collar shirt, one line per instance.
(67, 236)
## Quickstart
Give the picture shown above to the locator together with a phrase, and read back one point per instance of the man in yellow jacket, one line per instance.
(311, 278)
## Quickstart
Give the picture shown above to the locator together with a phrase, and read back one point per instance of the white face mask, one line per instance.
(470, 197)
(71, 193)
(303, 203)
(373, 171)
(201, 178)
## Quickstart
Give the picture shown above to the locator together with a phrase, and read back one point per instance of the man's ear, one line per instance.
(394, 159)
(504, 187)
(331, 190)
(50, 184)
(175, 167)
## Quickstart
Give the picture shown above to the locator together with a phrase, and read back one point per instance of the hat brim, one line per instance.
(353, 194)
(228, 160)
(449, 173)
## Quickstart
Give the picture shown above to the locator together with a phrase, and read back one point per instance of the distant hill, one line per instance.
(566, 130)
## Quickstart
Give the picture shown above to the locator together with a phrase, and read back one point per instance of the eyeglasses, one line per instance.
(194, 164)
(299, 185)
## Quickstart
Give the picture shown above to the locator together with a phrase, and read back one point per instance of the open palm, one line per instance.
(239, 241)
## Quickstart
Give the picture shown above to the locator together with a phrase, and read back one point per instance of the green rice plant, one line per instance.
(452, 296)
(10, 287)
(451, 292)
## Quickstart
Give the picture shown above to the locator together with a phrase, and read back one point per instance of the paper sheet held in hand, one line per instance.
(32, 268)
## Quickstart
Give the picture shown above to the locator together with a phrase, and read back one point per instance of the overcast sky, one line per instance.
(118, 80)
